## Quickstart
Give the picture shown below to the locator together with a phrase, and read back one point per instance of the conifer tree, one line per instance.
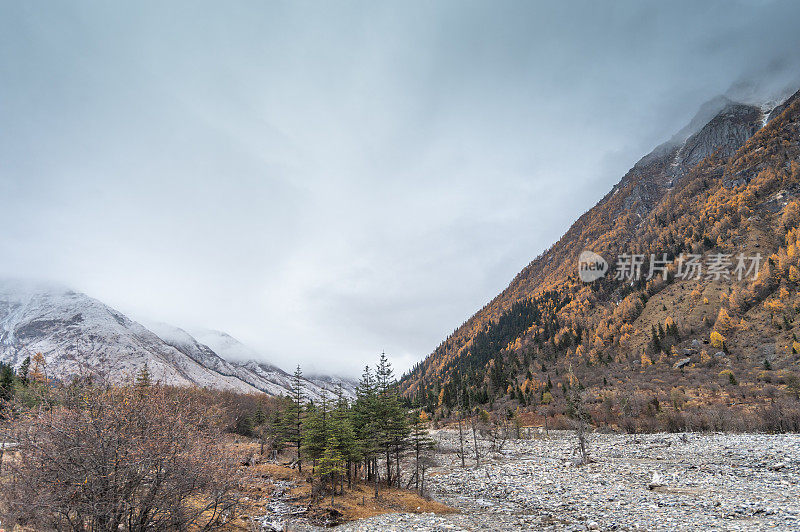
(392, 417)
(22, 374)
(276, 427)
(316, 429)
(294, 415)
(341, 427)
(6, 382)
(576, 409)
(143, 379)
(367, 424)
(331, 464)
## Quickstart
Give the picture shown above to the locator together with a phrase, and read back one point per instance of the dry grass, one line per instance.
(356, 503)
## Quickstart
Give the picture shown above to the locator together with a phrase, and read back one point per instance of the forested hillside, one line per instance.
(728, 191)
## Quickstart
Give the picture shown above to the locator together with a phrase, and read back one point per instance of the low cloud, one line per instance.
(326, 181)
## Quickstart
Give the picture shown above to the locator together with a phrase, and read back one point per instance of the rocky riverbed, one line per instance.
(646, 482)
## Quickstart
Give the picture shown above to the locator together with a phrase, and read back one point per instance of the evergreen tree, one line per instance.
(366, 424)
(294, 415)
(22, 374)
(143, 379)
(6, 382)
(392, 418)
(331, 464)
(275, 428)
(316, 429)
(341, 427)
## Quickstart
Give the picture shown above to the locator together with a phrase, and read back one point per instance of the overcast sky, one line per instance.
(328, 180)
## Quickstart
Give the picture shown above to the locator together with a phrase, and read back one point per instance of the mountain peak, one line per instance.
(80, 336)
(674, 200)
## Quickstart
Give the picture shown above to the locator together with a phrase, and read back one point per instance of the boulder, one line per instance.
(656, 482)
(681, 363)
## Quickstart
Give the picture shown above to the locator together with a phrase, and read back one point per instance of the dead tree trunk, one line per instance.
(375, 474)
(475, 442)
(461, 436)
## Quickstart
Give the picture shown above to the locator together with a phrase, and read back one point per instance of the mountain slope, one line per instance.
(726, 187)
(231, 357)
(79, 335)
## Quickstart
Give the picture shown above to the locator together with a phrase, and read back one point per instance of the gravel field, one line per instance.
(704, 482)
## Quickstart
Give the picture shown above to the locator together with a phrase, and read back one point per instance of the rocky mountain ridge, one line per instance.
(81, 336)
(727, 183)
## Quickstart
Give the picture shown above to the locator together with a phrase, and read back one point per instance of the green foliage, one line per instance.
(331, 461)
(331, 432)
(7, 379)
(143, 379)
(23, 371)
(316, 429)
(293, 417)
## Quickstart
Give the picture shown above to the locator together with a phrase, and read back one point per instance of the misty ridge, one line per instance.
(381, 266)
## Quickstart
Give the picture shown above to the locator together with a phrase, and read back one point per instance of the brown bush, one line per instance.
(110, 459)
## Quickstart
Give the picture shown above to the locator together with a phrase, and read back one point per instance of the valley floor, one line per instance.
(710, 481)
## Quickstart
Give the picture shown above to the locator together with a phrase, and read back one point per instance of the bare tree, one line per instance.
(115, 459)
(576, 409)
(461, 428)
(473, 423)
(546, 411)
(498, 432)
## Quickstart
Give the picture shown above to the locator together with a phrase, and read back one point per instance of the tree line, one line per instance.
(372, 438)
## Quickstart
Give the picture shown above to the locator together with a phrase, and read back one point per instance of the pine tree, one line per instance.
(22, 374)
(143, 379)
(6, 382)
(341, 427)
(294, 415)
(316, 429)
(276, 427)
(392, 418)
(331, 464)
(367, 425)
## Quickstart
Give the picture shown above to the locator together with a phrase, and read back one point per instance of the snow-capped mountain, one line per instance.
(228, 356)
(79, 335)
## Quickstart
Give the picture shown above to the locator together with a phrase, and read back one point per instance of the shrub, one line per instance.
(120, 459)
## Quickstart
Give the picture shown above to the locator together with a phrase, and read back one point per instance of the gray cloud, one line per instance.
(328, 180)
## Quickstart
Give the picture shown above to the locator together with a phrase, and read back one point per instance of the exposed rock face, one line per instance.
(720, 133)
(782, 107)
(723, 135)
